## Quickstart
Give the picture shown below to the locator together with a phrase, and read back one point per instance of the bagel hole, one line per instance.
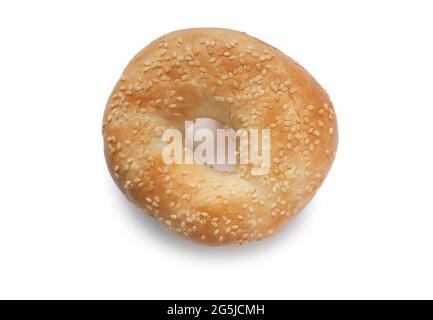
(221, 146)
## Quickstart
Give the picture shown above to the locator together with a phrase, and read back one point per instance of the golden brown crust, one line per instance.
(237, 80)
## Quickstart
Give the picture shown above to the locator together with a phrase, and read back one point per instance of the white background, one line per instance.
(67, 232)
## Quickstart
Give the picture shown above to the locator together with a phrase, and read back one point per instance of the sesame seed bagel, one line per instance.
(241, 82)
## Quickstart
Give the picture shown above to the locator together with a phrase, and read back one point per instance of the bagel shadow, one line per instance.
(172, 241)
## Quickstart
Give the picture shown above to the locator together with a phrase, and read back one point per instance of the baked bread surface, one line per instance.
(241, 82)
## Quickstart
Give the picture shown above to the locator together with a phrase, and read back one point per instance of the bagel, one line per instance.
(240, 82)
